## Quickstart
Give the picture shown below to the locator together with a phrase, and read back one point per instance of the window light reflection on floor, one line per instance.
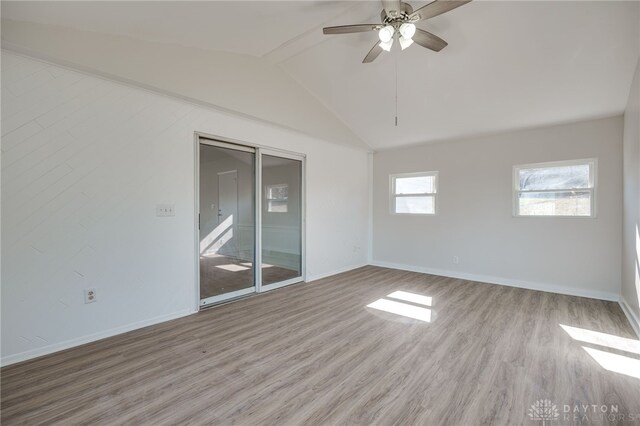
(628, 365)
(402, 309)
(411, 297)
(232, 268)
(615, 363)
(602, 339)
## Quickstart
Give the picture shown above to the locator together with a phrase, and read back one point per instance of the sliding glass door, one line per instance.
(227, 222)
(250, 212)
(281, 220)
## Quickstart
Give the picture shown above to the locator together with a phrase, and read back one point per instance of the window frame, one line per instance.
(593, 183)
(393, 195)
(269, 200)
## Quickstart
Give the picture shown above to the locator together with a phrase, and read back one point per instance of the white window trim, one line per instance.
(393, 196)
(266, 196)
(593, 173)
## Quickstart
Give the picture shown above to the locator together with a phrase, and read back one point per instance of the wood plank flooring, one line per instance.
(315, 354)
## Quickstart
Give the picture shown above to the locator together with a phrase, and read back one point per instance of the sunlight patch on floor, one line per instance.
(622, 364)
(232, 267)
(602, 339)
(615, 363)
(411, 297)
(402, 309)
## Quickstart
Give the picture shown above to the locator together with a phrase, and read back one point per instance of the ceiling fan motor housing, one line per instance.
(398, 22)
(404, 16)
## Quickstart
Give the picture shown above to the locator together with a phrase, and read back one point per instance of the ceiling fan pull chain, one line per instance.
(396, 58)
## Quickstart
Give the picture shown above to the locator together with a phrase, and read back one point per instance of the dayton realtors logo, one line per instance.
(596, 413)
(544, 410)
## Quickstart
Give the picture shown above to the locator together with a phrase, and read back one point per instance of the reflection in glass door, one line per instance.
(250, 212)
(281, 220)
(227, 221)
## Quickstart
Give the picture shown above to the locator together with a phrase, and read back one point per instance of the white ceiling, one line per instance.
(247, 27)
(508, 64)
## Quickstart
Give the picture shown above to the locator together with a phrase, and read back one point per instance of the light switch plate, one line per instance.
(165, 210)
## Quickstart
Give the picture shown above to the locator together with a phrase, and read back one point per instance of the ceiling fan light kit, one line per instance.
(407, 30)
(385, 34)
(386, 45)
(398, 20)
(405, 42)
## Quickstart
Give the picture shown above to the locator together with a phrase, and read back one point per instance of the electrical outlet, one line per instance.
(456, 260)
(89, 295)
(165, 210)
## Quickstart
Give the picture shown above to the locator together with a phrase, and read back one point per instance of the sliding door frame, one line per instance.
(303, 273)
(259, 150)
(219, 298)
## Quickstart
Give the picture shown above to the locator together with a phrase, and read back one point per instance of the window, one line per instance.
(277, 198)
(564, 188)
(414, 193)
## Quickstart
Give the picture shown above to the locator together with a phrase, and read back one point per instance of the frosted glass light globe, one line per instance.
(407, 30)
(386, 33)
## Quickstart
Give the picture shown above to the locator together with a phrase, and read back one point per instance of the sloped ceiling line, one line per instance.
(508, 65)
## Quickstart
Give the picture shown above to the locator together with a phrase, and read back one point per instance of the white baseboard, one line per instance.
(631, 316)
(550, 288)
(633, 319)
(335, 272)
(56, 347)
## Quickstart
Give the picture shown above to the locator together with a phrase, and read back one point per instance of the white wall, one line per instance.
(249, 86)
(474, 219)
(81, 177)
(631, 211)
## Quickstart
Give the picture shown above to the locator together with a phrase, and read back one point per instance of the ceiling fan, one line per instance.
(398, 21)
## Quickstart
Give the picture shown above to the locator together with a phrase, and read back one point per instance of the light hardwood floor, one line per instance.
(315, 354)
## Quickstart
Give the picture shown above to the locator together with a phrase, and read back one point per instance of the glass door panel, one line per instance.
(281, 220)
(227, 222)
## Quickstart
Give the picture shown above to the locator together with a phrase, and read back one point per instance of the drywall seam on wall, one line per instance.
(547, 287)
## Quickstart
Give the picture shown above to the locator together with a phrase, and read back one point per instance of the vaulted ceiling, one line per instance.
(508, 64)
